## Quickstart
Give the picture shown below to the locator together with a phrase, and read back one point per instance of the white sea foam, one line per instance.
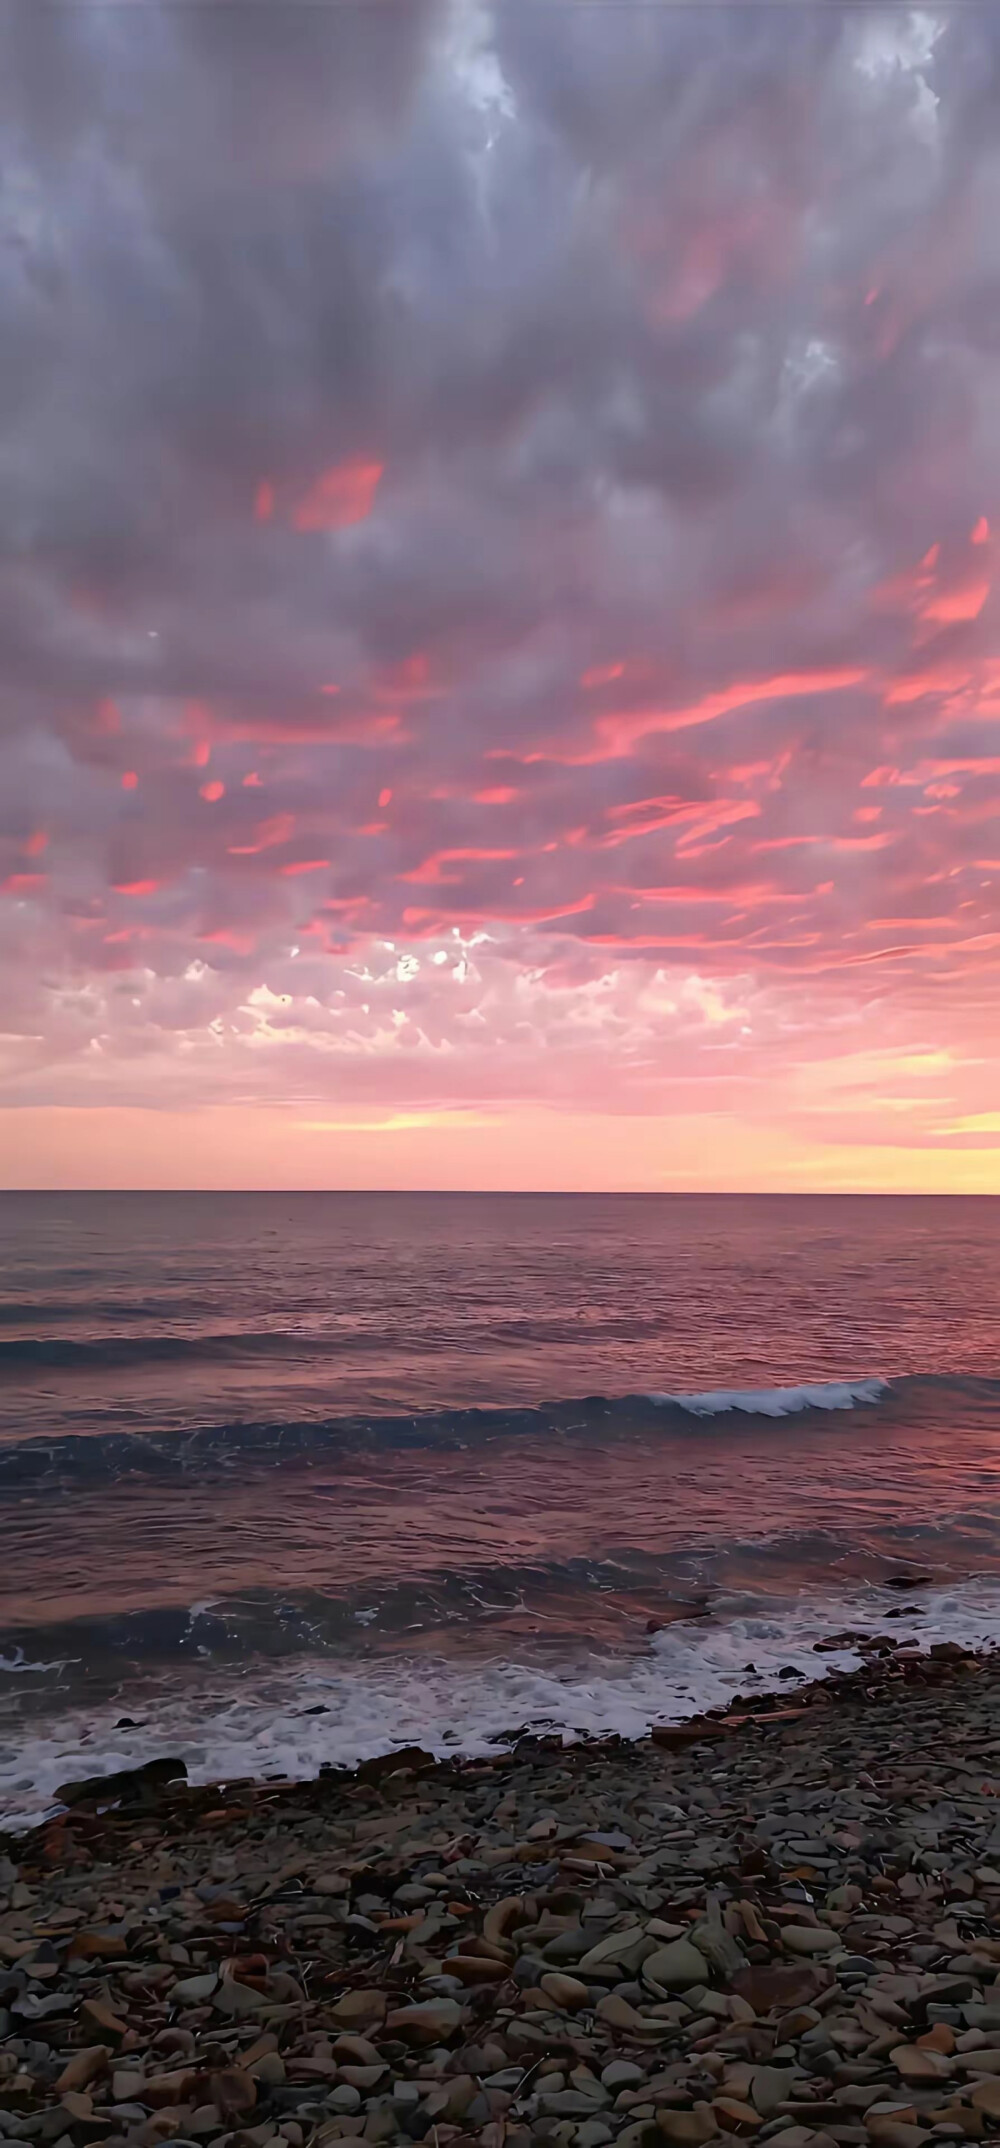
(257, 1724)
(20, 1662)
(778, 1401)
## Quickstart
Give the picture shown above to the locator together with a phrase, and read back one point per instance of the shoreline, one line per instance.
(285, 1719)
(780, 1918)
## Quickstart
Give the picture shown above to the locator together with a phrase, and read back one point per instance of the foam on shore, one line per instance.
(258, 1722)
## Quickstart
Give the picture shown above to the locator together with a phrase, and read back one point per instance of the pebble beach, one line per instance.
(777, 1922)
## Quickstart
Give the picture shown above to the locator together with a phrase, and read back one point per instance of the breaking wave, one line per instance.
(106, 1457)
(273, 1722)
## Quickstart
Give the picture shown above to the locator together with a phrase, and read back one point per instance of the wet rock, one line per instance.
(407, 1760)
(676, 1737)
(128, 1785)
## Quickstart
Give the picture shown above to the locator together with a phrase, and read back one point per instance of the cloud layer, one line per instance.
(497, 568)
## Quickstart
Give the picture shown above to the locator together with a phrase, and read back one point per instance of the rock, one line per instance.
(675, 1966)
(569, 2103)
(475, 1969)
(675, 1737)
(357, 2049)
(452, 2099)
(85, 2066)
(127, 2084)
(784, 1984)
(269, 2069)
(564, 1991)
(192, 1990)
(625, 1950)
(434, 2021)
(167, 2091)
(502, 1918)
(458, 1929)
(809, 1938)
(408, 1759)
(771, 2086)
(126, 1784)
(734, 2116)
(913, 2064)
(232, 2091)
(618, 2013)
(720, 1949)
(566, 1947)
(40, 2006)
(96, 1946)
(591, 2133)
(895, 2133)
(102, 2022)
(363, 2009)
(78, 2106)
(235, 1998)
(688, 2129)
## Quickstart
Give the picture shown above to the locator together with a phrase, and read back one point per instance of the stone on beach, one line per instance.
(676, 1966)
(586, 1947)
(809, 1938)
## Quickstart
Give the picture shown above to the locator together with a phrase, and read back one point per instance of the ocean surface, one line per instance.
(288, 1478)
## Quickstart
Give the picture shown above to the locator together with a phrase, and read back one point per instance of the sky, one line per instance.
(499, 612)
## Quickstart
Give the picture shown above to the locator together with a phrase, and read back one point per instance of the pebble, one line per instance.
(809, 1939)
(676, 1966)
(787, 1931)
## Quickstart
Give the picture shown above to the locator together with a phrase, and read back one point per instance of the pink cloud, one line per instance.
(340, 497)
(456, 663)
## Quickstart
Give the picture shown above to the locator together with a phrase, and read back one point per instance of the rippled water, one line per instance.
(461, 1454)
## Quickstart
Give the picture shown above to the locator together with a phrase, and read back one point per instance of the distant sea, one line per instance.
(287, 1479)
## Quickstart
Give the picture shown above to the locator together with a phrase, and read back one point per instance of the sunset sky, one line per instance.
(499, 599)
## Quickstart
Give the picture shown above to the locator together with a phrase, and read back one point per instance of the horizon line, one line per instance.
(501, 1193)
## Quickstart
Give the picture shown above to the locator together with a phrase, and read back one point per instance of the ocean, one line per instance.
(290, 1478)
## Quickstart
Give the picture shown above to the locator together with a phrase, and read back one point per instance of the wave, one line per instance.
(53, 1353)
(162, 1341)
(104, 1457)
(778, 1401)
(269, 1722)
(560, 1602)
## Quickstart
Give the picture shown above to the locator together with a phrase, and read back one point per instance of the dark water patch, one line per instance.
(107, 1457)
(620, 1600)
